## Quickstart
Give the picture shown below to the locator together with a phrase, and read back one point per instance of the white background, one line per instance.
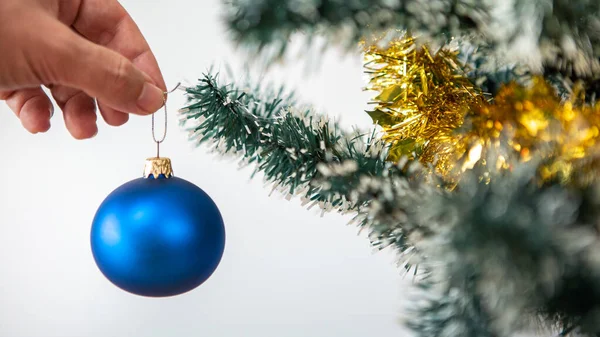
(286, 271)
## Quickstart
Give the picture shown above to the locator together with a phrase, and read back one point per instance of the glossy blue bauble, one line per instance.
(158, 237)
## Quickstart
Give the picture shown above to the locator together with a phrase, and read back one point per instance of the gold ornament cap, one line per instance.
(157, 166)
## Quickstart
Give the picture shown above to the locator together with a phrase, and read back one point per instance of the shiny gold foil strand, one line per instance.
(422, 100)
(533, 121)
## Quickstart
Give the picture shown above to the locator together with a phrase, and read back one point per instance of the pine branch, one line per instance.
(486, 71)
(449, 312)
(294, 149)
(272, 22)
(565, 34)
(528, 249)
(523, 249)
(497, 253)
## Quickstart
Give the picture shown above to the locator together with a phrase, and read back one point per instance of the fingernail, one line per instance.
(151, 99)
(51, 110)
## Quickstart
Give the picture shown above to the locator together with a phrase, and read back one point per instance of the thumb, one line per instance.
(106, 75)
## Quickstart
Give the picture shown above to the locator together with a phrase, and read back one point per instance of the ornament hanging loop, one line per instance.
(158, 141)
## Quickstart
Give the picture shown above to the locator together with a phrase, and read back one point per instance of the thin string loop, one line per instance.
(164, 135)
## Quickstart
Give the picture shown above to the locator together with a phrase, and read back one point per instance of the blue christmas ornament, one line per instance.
(159, 235)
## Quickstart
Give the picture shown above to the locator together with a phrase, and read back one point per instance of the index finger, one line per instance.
(107, 23)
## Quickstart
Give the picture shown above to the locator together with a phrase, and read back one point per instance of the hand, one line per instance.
(80, 50)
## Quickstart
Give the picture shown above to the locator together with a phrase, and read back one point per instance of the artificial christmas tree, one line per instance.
(483, 170)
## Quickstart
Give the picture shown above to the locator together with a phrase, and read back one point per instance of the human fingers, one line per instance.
(107, 23)
(31, 106)
(69, 59)
(112, 116)
(79, 111)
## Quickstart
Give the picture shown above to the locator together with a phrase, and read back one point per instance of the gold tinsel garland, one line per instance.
(423, 98)
(429, 109)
